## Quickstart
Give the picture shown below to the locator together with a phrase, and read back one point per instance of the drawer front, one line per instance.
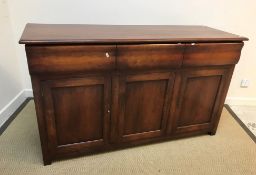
(205, 54)
(66, 59)
(149, 56)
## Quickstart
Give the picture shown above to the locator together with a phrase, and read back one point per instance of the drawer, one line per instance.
(204, 54)
(66, 59)
(149, 56)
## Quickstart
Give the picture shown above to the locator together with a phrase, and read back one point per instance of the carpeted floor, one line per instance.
(230, 152)
(247, 114)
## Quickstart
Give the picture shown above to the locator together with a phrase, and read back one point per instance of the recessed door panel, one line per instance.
(144, 102)
(196, 101)
(77, 113)
(144, 105)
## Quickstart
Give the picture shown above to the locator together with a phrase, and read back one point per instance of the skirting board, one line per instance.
(7, 111)
(242, 101)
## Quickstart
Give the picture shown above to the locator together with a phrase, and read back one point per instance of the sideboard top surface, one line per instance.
(118, 34)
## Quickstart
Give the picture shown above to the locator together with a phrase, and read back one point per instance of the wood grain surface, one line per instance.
(82, 33)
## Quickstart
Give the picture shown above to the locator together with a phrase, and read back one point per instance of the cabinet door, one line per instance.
(77, 114)
(144, 103)
(198, 100)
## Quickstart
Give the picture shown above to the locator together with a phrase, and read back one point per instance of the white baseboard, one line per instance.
(243, 101)
(28, 93)
(14, 104)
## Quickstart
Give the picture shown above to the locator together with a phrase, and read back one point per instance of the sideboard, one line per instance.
(106, 87)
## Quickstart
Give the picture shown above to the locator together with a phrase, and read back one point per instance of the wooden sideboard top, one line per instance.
(118, 34)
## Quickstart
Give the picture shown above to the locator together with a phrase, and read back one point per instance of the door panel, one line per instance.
(196, 99)
(82, 119)
(144, 104)
(77, 112)
(202, 91)
(141, 112)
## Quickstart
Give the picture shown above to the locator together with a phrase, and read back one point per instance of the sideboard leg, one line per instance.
(212, 133)
(47, 159)
(47, 162)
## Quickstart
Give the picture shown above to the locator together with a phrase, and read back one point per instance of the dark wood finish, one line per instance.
(74, 121)
(101, 88)
(102, 34)
(68, 59)
(41, 120)
(210, 54)
(149, 56)
(197, 99)
(222, 98)
(144, 103)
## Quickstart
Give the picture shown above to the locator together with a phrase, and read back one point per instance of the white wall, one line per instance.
(11, 80)
(236, 16)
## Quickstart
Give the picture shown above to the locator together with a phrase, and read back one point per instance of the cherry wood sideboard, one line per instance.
(105, 87)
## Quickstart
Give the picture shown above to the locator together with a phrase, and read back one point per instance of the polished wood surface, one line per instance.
(66, 59)
(95, 93)
(149, 56)
(197, 98)
(144, 104)
(209, 54)
(81, 33)
(72, 119)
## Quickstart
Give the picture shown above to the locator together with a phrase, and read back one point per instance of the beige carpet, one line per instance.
(229, 152)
